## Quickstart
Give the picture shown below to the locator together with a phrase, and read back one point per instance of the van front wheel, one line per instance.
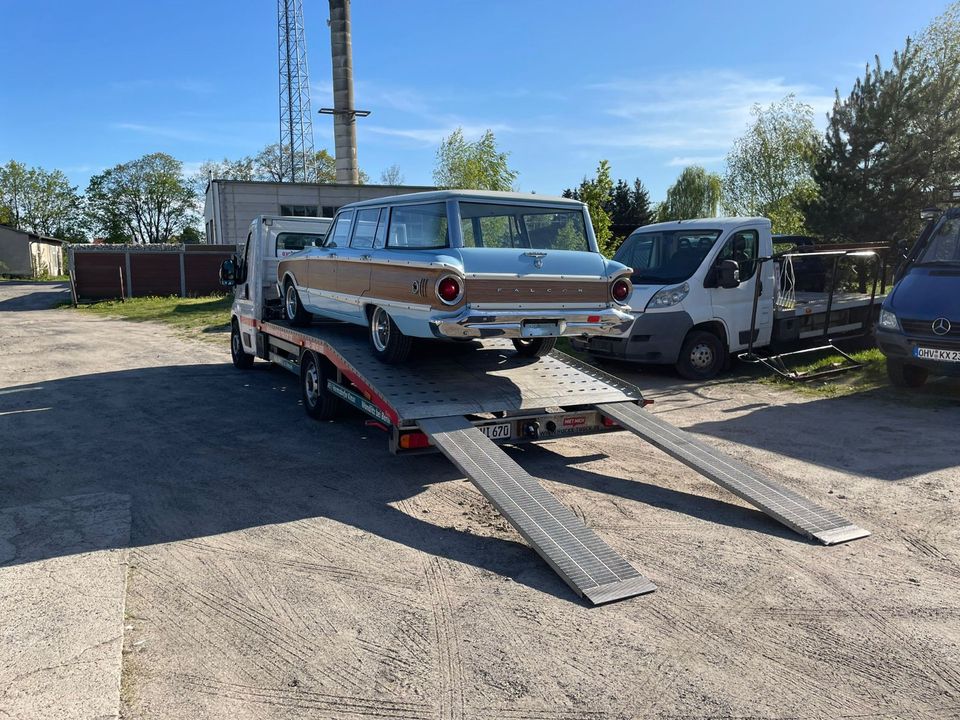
(702, 356)
(903, 375)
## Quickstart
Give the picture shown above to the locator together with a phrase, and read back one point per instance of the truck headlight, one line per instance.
(668, 297)
(888, 320)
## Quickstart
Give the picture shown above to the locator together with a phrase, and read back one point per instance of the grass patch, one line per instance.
(204, 316)
(871, 376)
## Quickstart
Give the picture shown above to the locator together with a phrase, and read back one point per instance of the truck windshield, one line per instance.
(522, 226)
(667, 256)
(944, 244)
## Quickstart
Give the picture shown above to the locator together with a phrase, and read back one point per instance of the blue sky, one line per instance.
(649, 86)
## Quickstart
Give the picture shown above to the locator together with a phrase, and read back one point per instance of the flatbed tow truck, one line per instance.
(465, 400)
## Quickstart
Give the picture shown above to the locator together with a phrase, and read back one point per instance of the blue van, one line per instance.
(919, 325)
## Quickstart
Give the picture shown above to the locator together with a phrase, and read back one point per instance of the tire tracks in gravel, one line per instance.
(947, 678)
(452, 701)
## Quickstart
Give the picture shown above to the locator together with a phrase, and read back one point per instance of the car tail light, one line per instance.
(414, 441)
(620, 290)
(449, 290)
(593, 318)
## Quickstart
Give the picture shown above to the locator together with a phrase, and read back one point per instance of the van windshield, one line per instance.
(944, 244)
(522, 226)
(667, 256)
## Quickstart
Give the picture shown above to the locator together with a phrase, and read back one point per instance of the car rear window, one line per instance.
(288, 243)
(522, 226)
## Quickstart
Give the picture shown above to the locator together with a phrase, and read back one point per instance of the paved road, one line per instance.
(254, 564)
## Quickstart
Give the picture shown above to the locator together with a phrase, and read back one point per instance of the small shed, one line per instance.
(26, 254)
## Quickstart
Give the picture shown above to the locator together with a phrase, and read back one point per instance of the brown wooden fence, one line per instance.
(99, 272)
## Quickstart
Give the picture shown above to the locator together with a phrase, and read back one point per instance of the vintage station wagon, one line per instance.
(460, 264)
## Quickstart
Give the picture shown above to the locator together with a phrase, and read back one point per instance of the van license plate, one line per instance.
(936, 354)
(545, 329)
(496, 432)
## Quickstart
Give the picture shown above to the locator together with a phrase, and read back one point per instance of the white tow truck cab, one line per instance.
(709, 288)
(465, 400)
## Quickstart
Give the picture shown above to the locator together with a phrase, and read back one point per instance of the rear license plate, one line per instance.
(496, 432)
(544, 329)
(936, 354)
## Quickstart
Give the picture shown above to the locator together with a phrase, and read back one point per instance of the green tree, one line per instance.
(40, 201)
(891, 147)
(695, 194)
(769, 168)
(628, 207)
(477, 166)
(146, 200)
(595, 193)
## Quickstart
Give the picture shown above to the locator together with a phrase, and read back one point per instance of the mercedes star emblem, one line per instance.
(941, 326)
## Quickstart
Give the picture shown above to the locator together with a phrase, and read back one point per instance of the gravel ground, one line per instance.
(284, 568)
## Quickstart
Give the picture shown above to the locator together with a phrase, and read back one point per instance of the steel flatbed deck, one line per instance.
(463, 400)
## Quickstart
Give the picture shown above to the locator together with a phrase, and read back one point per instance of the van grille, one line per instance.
(924, 328)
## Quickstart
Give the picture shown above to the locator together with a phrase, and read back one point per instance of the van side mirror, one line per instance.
(728, 274)
(228, 272)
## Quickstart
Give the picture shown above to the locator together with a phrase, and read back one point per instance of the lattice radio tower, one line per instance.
(298, 161)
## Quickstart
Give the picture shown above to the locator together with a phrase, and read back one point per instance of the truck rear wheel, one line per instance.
(534, 347)
(702, 356)
(240, 358)
(318, 401)
(903, 375)
(292, 307)
(389, 345)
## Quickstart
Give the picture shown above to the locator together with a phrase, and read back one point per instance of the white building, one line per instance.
(230, 205)
(26, 254)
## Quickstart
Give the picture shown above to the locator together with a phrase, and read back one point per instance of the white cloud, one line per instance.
(173, 133)
(695, 160)
(434, 135)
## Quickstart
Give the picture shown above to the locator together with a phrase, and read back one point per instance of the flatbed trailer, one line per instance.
(465, 400)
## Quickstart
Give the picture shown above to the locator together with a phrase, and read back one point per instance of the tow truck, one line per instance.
(467, 400)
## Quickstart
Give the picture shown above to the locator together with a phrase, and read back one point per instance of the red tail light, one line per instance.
(620, 290)
(414, 440)
(449, 290)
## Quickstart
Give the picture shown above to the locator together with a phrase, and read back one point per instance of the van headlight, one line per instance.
(888, 320)
(668, 297)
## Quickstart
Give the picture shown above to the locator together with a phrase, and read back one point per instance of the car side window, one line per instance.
(380, 240)
(418, 227)
(365, 229)
(744, 248)
(339, 234)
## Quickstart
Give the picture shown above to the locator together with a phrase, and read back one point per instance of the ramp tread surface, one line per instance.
(590, 566)
(788, 507)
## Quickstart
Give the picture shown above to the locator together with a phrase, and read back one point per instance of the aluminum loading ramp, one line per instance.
(783, 505)
(585, 562)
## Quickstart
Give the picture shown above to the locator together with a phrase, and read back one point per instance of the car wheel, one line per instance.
(388, 343)
(702, 356)
(292, 307)
(318, 401)
(534, 347)
(903, 375)
(240, 358)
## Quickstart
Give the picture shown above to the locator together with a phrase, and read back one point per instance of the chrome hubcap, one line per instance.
(381, 329)
(237, 348)
(701, 357)
(311, 384)
(291, 299)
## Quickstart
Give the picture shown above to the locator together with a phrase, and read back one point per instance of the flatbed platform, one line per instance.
(463, 399)
(809, 303)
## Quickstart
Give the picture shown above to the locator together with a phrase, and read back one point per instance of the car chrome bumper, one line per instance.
(533, 323)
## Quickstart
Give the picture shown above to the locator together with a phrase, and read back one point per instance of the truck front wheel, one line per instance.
(240, 358)
(318, 401)
(702, 356)
(903, 375)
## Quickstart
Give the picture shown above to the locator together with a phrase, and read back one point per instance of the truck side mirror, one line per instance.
(903, 246)
(228, 272)
(728, 273)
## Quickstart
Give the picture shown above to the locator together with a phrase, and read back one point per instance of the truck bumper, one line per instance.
(473, 323)
(898, 346)
(654, 338)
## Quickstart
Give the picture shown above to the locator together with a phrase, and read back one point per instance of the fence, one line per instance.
(100, 272)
